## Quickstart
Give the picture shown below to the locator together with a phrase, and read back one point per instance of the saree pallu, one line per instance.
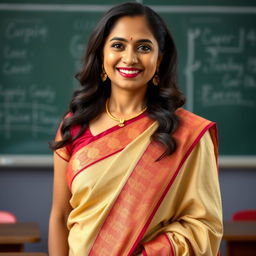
(123, 199)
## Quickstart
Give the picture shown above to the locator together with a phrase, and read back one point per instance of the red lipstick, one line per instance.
(128, 72)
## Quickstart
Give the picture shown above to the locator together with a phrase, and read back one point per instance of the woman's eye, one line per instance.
(144, 48)
(117, 46)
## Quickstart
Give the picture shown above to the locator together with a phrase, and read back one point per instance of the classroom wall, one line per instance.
(27, 193)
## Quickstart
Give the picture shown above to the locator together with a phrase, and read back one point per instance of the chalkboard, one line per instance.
(42, 47)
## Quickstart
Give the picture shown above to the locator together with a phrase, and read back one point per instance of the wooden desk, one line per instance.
(14, 236)
(240, 237)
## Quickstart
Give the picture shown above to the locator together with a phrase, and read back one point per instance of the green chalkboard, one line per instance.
(218, 73)
(41, 52)
(42, 46)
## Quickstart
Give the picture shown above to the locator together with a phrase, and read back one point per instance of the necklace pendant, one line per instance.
(121, 122)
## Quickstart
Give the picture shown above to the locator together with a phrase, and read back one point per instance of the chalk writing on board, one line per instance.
(16, 69)
(25, 30)
(82, 24)
(25, 106)
(27, 110)
(82, 28)
(14, 53)
(227, 67)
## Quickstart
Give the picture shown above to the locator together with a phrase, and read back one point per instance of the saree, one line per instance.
(123, 199)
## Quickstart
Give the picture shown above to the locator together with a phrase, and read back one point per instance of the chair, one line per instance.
(239, 244)
(244, 215)
(7, 217)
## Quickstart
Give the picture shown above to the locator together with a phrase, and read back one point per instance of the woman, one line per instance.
(135, 174)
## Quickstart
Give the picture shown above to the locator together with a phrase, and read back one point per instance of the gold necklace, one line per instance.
(122, 120)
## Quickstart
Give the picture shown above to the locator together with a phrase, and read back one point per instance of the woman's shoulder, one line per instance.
(187, 116)
(191, 120)
(191, 124)
(195, 126)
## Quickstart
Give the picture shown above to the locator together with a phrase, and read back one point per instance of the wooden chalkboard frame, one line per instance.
(46, 160)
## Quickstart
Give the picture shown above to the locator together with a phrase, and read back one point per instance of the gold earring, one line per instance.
(104, 76)
(156, 80)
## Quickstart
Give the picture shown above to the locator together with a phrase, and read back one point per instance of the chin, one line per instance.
(130, 85)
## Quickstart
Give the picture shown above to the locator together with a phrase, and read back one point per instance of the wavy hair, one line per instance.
(162, 100)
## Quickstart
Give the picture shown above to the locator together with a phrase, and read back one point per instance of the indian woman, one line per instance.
(134, 172)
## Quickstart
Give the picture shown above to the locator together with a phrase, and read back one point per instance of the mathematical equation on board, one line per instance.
(221, 67)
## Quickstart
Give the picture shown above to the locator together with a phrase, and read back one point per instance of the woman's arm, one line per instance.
(58, 232)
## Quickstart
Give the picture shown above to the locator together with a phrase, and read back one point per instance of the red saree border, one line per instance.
(214, 136)
(145, 189)
(62, 157)
(170, 184)
(65, 154)
(105, 146)
(172, 250)
(100, 159)
(62, 152)
(117, 127)
(106, 132)
(160, 246)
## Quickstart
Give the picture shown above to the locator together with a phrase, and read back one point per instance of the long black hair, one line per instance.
(162, 100)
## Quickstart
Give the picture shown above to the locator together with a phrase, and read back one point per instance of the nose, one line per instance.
(129, 57)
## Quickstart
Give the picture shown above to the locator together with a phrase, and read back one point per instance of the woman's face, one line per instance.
(131, 54)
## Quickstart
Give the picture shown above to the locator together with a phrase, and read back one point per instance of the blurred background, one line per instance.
(41, 48)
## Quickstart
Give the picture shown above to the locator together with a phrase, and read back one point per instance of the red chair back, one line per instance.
(7, 217)
(245, 215)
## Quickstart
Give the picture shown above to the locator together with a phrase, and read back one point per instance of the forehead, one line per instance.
(131, 27)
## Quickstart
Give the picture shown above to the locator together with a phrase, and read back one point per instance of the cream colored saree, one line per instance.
(123, 199)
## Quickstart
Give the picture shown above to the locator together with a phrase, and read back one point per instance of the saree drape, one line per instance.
(123, 199)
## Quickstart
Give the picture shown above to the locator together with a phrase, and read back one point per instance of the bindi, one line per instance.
(130, 38)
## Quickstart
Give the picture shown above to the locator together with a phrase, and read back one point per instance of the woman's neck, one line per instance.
(126, 103)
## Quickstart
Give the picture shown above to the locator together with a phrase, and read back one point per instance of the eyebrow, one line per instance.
(125, 40)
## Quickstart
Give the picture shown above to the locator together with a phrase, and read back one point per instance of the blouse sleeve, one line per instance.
(196, 228)
(63, 152)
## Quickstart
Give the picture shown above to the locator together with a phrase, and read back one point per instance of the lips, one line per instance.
(129, 72)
